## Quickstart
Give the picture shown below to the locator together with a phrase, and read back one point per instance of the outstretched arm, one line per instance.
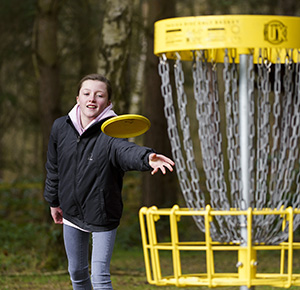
(158, 161)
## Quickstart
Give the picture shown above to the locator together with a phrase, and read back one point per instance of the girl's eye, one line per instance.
(100, 96)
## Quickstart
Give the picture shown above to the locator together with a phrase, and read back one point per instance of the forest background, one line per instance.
(46, 47)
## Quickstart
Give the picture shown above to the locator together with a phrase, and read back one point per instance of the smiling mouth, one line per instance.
(91, 106)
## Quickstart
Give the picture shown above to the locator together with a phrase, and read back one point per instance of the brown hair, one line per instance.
(96, 77)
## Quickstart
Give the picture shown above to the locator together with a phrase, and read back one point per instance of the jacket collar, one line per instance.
(74, 116)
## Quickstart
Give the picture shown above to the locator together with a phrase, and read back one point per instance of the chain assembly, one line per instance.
(273, 95)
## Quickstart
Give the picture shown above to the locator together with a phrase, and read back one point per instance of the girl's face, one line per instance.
(92, 99)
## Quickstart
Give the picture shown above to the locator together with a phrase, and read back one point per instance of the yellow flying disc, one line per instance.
(126, 126)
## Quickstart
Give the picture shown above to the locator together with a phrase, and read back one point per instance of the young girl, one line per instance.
(85, 170)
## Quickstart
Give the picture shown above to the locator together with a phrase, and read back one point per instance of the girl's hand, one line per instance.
(57, 214)
(158, 161)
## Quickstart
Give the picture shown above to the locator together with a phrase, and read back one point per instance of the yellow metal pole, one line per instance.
(142, 214)
(174, 242)
(209, 253)
(290, 246)
(282, 252)
(156, 270)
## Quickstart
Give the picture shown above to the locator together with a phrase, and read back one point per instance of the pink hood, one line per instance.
(74, 114)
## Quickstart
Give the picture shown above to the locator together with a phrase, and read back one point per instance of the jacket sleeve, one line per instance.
(51, 183)
(129, 156)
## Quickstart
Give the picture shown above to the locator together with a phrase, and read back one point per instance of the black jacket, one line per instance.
(85, 174)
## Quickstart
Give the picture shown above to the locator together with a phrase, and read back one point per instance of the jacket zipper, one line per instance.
(75, 181)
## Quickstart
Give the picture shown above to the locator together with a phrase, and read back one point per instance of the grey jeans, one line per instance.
(77, 249)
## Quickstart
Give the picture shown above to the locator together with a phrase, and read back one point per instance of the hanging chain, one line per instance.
(262, 144)
(231, 106)
(251, 115)
(263, 129)
(293, 142)
(273, 160)
(187, 140)
(185, 127)
(264, 225)
(296, 197)
(232, 222)
(293, 130)
(208, 116)
(276, 136)
(166, 91)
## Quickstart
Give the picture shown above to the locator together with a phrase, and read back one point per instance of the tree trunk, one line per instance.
(88, 31)
(114, 51)
(288, 7)
(46, 54)
(159, 190)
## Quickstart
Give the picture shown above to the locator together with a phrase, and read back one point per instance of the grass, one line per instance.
(32, 254)
(127, 271)
(28, 262)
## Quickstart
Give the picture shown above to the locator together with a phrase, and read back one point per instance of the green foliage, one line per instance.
(32, 253)
(20, 250)
(28, 242)
(128, 273)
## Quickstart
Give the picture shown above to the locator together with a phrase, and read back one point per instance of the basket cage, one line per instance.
(232, 103)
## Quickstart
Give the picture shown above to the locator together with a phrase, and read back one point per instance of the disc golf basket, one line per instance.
(246, 79)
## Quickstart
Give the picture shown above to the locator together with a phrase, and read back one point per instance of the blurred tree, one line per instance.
(46, 53)
(158, 189)
(138, 55)
(78, 35)
(79, 30)
(18, 120)
(289, 7)
(84, 24)
(114, 50)
(89, 29)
